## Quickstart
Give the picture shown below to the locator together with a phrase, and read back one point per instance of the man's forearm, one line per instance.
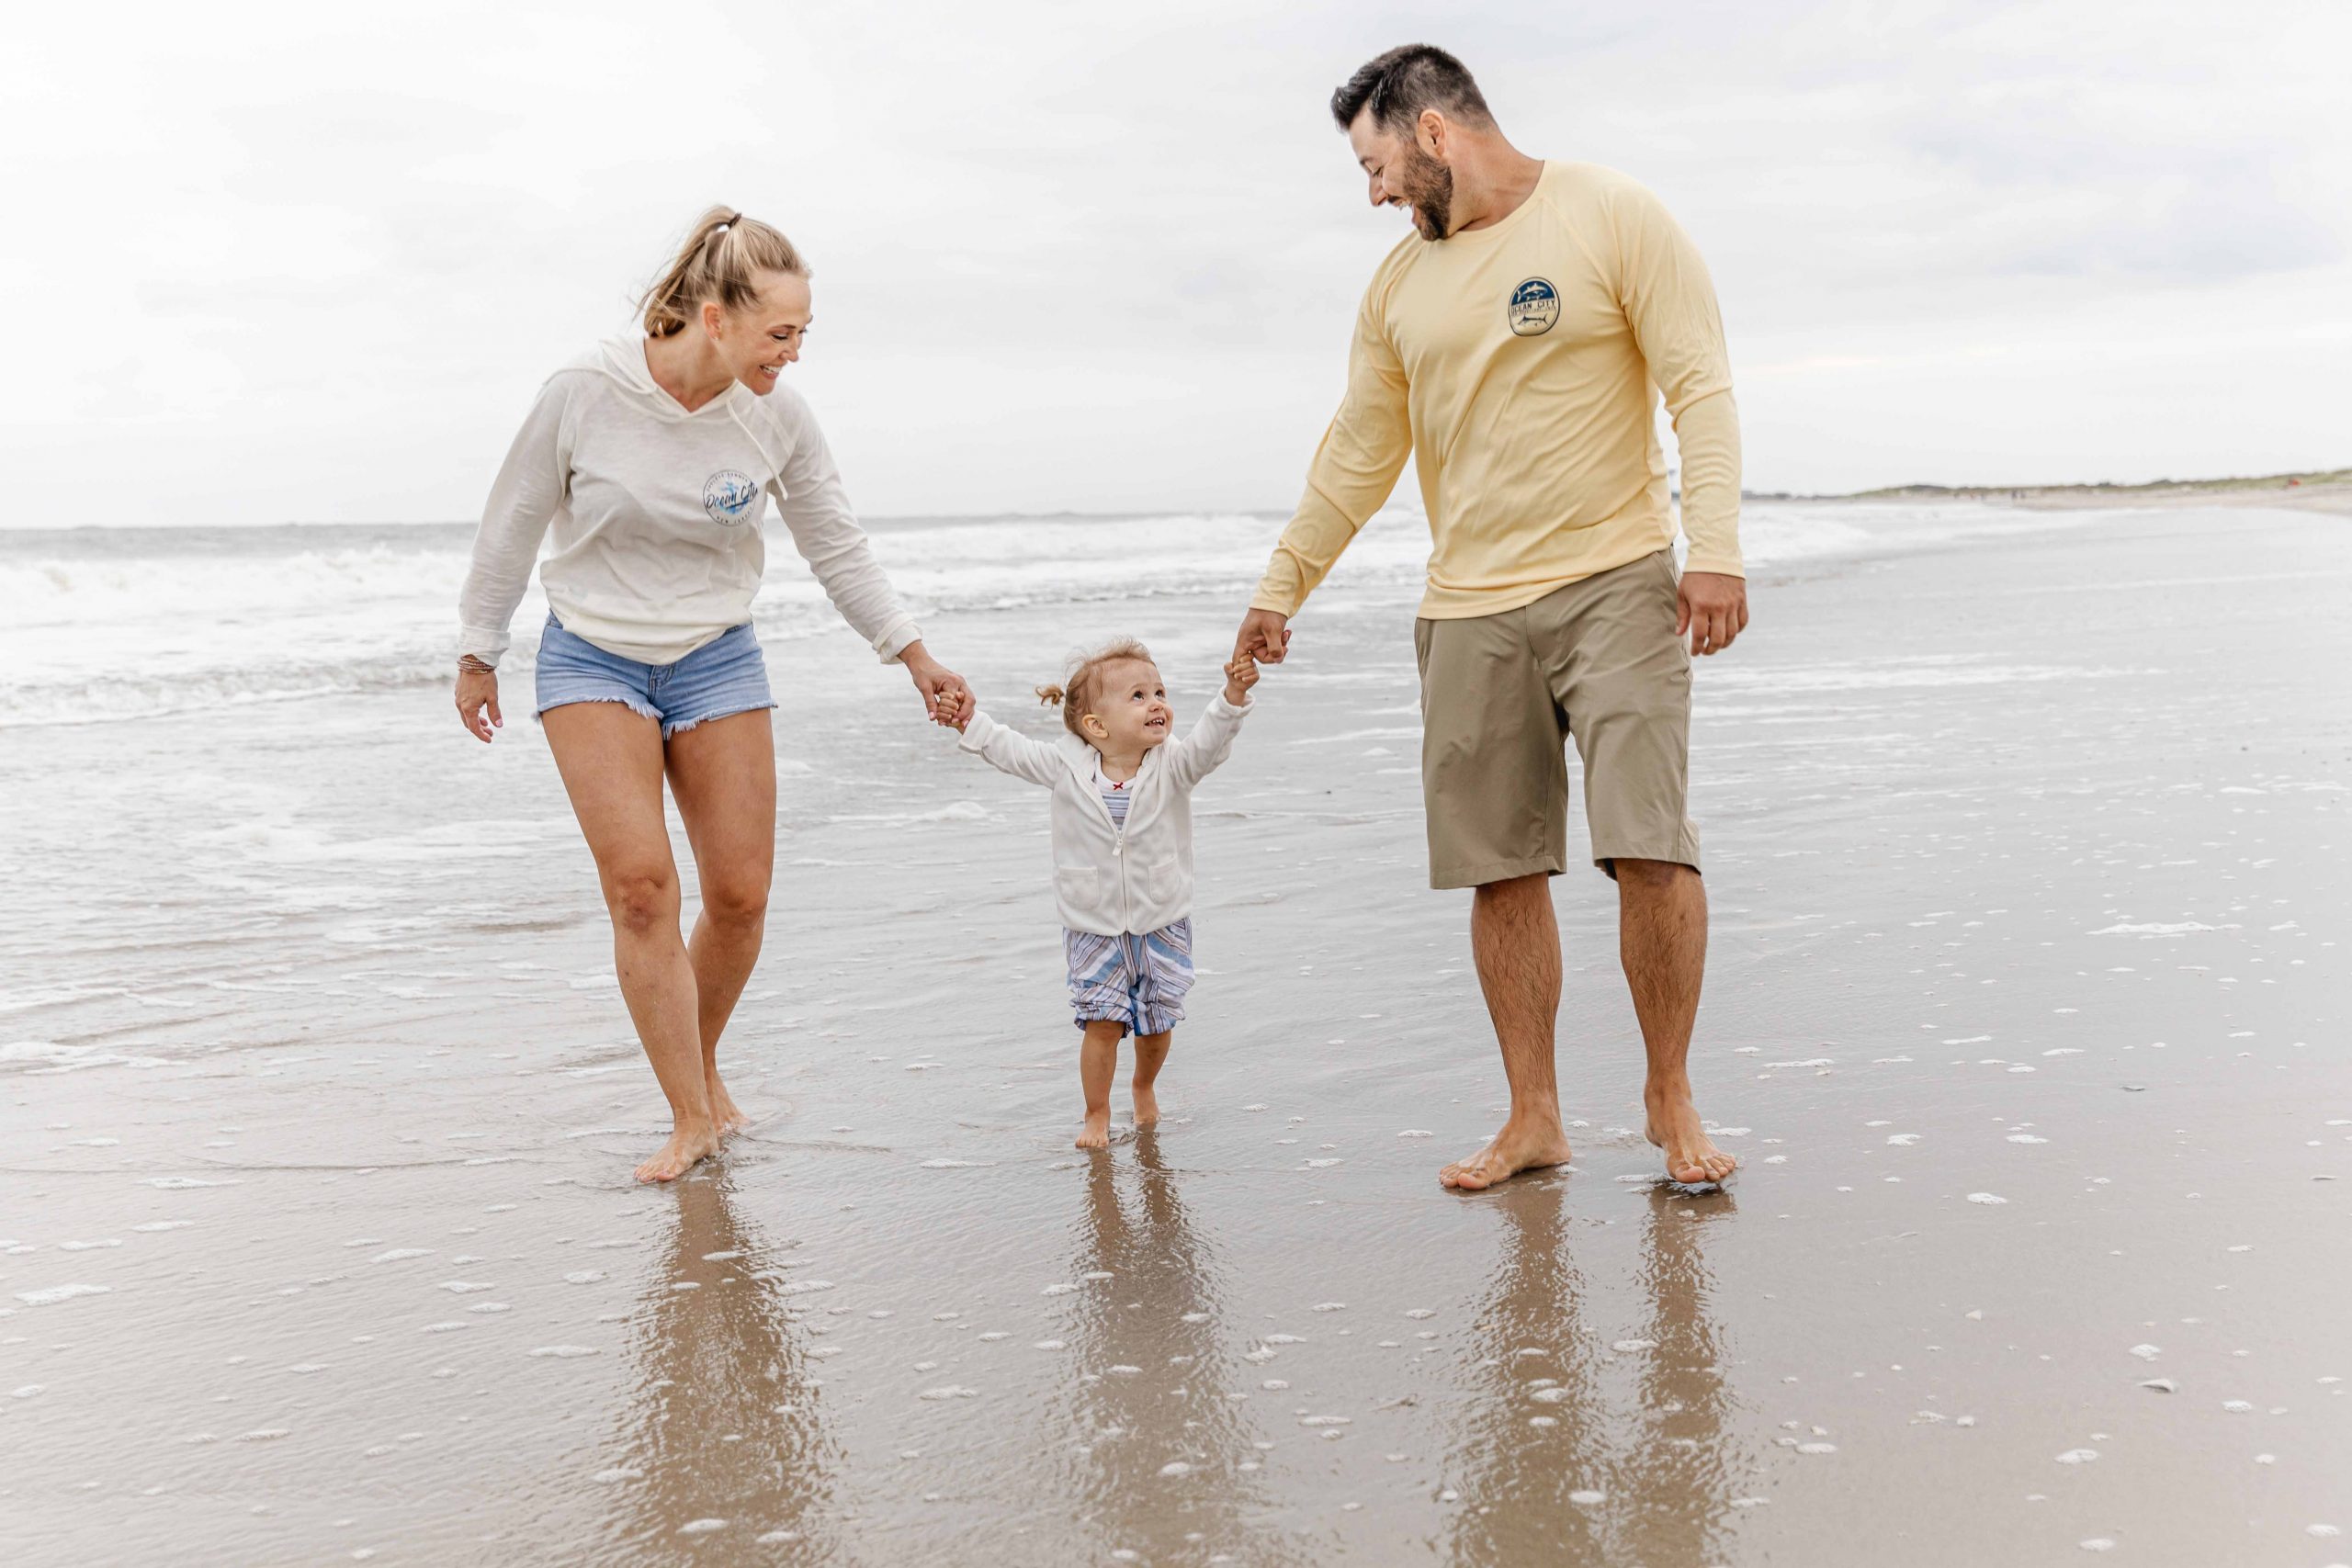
(1708, 433)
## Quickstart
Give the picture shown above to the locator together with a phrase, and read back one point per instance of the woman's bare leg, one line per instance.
(722, 773)
(610, 757)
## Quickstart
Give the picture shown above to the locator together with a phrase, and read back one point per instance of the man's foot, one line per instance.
(1521, 1145)
(725, 1114)
(687, 1147)
(1146, 1106)
(1094, 1133)
(1691, 1156)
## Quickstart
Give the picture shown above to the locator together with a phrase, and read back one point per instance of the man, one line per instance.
(1516, 345)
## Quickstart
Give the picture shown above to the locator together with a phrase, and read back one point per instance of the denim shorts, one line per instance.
(726, 676)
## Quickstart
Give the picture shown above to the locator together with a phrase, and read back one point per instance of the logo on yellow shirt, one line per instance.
(1534, 306)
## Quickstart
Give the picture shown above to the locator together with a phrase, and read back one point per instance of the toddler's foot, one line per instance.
(1146, 1106)
(1094, 1133)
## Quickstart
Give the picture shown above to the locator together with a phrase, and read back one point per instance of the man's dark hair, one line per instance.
(1398, 85)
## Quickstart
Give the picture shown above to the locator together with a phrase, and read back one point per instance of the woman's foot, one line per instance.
(725, 1114)
(688, 1146)
(1094, 1133)
(1146, 1105)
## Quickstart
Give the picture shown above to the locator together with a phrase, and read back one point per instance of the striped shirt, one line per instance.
(1115, 796)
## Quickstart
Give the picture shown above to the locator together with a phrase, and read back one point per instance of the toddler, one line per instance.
(1123, 852)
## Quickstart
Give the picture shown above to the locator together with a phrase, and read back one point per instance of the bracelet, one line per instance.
(479, 666)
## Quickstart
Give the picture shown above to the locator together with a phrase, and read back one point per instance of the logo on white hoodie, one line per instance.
(729, 497)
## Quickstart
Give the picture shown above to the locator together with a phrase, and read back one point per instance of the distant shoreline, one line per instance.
(2318, 489)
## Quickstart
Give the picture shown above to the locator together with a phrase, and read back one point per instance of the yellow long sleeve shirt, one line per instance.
(1521, 365)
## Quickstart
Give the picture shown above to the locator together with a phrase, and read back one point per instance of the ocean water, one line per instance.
(106, 625)
(2024, 1010)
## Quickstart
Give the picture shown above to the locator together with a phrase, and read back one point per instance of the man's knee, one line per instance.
(1650, 875)
(1515, 890)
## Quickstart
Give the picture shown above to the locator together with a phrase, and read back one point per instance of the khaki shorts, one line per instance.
(1501, 695)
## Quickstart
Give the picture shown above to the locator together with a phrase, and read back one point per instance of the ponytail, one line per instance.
(721, 260)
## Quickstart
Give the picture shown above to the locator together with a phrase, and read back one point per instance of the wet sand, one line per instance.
(2027, 1012)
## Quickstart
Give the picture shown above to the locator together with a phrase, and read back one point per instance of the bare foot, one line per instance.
(1691, 1156)
(1146, 1106)
(725, 1114)
(1521, 1145)
(686, 1146)
(1096, 1132)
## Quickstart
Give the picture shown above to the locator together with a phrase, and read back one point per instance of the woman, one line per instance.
(651, 457)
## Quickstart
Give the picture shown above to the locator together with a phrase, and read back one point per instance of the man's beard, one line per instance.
(1427, 185)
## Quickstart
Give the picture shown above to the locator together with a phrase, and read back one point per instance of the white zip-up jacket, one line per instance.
(657, 512)
(1109, 880)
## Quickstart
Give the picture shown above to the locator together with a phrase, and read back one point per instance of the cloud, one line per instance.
(312, 262)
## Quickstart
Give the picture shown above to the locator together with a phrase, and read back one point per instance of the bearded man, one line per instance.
(1516, 345)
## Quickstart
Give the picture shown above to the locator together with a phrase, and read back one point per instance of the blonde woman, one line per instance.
(651, 457)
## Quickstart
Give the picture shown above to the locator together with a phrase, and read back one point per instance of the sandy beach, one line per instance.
(2026, 840)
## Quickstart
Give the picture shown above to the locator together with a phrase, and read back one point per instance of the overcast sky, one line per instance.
(302, 262)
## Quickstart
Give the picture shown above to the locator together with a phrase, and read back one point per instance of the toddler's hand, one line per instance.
(947, 708)
(1239, 676)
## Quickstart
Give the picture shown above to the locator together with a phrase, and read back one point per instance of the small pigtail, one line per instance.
(1051, 697)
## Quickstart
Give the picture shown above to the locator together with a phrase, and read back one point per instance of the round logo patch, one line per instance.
(1534, 306)
(729, 497)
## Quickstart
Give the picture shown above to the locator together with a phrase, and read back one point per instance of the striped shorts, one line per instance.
(1138, 981)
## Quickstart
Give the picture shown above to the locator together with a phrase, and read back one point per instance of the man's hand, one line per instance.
(1713, 608)
(1264, 637)
(944, 695)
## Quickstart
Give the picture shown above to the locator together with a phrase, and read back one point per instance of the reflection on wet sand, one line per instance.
(1586, 1441)
(724, 1421)
(1158, 1455)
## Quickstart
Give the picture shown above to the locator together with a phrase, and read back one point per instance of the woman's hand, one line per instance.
(478, 700)
(944, 695)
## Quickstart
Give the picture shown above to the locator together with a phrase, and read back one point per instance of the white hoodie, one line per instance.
(656, 515)
(1109, 879)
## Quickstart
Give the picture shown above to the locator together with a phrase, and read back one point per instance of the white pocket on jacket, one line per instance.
(1081, 885)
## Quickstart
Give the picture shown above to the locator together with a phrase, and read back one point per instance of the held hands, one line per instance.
(1264, 637)
(1713, 608)
(1239, 676)
(945, 696)
(954, 712)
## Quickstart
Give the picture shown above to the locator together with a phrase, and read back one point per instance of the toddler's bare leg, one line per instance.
(1151, 1050)
(1098, 1058)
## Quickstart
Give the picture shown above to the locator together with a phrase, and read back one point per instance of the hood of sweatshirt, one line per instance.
(622, 360)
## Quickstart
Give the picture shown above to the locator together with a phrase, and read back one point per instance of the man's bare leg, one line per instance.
(1516, 942)
(1662, 941)
(1151, 1051)
(1098, 1059)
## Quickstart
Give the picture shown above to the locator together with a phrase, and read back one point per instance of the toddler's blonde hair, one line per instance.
(1085, 673)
